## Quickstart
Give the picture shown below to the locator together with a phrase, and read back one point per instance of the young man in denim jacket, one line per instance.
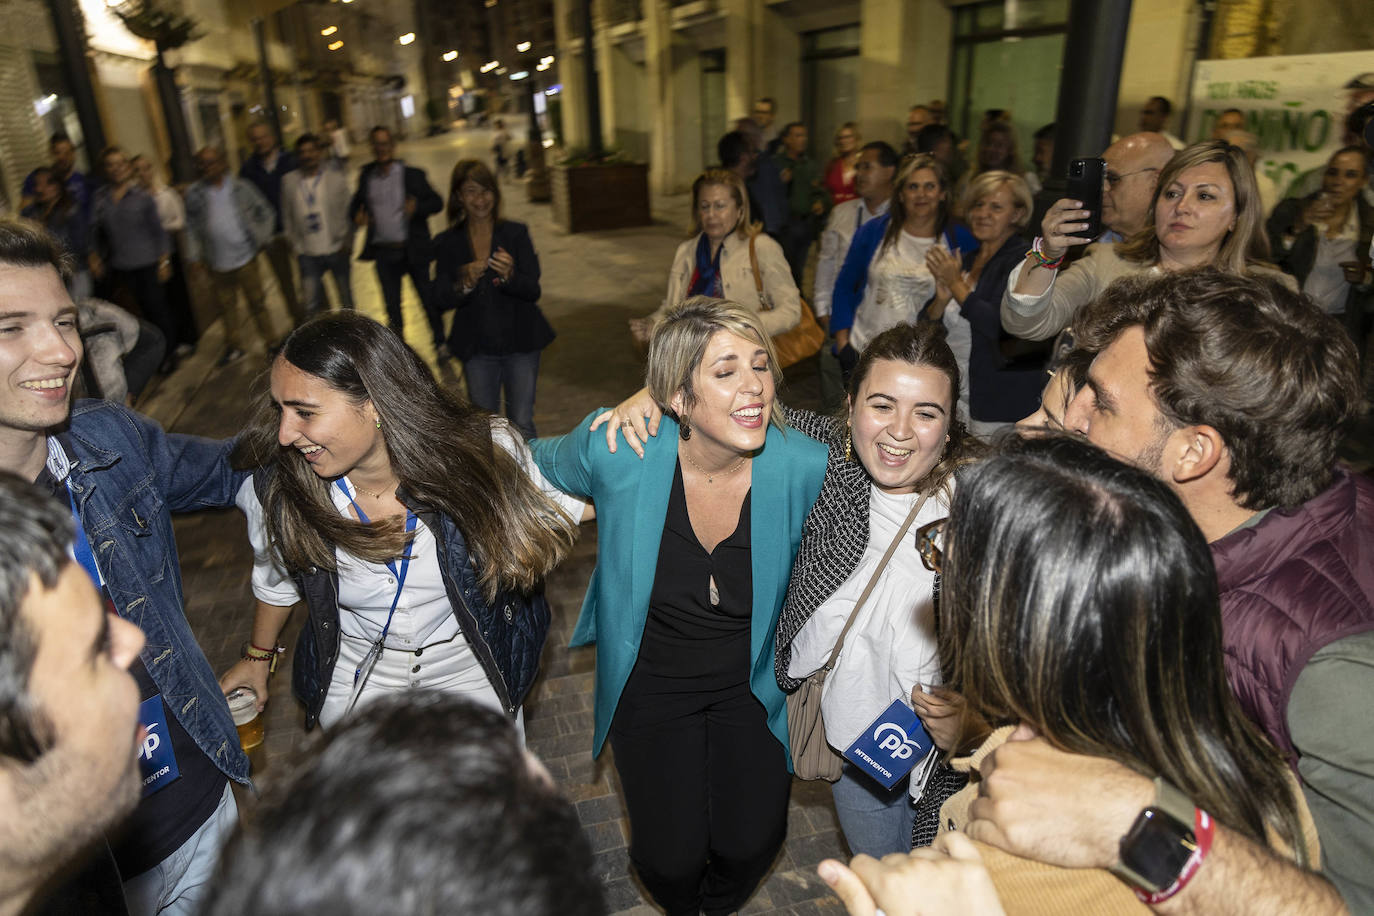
(121, 477)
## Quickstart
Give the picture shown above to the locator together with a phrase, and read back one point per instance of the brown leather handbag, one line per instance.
(799, 343)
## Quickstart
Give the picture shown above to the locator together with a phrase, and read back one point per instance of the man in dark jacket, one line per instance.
(1236, 392)
(394, 201)
(265, 168)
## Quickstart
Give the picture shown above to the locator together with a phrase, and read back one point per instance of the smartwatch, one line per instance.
(1161, 842)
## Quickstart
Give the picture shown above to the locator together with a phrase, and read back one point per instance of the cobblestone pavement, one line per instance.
(592, 284)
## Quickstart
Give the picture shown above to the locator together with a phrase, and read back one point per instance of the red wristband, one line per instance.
(1204, 828)
(273, 650)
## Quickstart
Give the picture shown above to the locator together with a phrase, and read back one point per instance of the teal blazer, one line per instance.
(631, 496)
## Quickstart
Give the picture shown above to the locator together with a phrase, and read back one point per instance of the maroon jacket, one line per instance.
(1299, 580)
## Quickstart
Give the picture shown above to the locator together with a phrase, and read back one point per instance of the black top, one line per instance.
(165, 820)
(491, 319)
(685, 634)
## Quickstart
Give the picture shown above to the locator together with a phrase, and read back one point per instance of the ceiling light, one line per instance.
(329, 31)
(523, 47)
(334, 46)
(546, 60)
(490, 66)
(450, 55)
(542, 67)
(523, 74)
(407, 38)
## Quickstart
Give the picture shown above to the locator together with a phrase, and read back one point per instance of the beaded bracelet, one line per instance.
(1037, 255)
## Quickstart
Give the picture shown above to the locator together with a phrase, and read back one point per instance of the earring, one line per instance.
(848, 445)
(379, 422)
(684, 429)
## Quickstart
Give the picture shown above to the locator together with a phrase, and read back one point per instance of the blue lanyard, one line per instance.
(81, 545)
(400, 574)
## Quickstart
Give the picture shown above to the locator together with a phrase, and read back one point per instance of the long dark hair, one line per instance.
(441, 451)
(1080, 598)
(910, 165)
(924, 344)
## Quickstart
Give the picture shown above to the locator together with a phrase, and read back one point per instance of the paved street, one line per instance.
(592, 283)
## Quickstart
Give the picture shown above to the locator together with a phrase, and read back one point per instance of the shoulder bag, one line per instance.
(812, 755)
(802, 341)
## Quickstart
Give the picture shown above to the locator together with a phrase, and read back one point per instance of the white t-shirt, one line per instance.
(315, 239)
(1325, 283)
(366, 590)
(891, 647)
(899, 285)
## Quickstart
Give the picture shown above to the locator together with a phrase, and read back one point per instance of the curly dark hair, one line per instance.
(1264, 366)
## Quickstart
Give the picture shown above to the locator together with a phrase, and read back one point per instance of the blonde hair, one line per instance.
(852, 127)
(1244, 245)
(725, 179)
(988, 183)
(679, 343)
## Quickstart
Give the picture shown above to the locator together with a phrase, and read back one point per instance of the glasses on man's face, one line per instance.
(930, 544)
(1115, 178)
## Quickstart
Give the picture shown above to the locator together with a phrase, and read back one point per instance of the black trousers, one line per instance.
(392, 265)
(150, 295)
(706, 787)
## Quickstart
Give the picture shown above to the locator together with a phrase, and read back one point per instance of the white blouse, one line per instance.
(423, 613)
(891, 647)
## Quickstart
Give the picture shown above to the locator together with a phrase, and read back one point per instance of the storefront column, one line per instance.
(904, 59)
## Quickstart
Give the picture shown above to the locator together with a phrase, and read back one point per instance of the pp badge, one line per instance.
(891, 745)
(157, 762)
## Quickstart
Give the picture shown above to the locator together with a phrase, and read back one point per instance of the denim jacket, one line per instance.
(506, 635)
(128, 477)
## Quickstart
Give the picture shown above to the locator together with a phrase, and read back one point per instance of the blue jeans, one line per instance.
(488, 374)
(313, 267)
(179, 884)
(875, 822)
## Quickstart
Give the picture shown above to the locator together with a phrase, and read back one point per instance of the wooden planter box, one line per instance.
(591, 197)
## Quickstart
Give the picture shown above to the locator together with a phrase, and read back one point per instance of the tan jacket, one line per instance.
(781, 309)
(1041, 317)
(1029, 888)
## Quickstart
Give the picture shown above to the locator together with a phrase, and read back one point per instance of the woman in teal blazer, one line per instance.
(696, 543)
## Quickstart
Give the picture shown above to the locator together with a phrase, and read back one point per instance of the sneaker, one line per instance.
(232, 355)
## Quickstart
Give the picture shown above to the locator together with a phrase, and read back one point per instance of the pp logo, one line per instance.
(150, 744)
(893, 739)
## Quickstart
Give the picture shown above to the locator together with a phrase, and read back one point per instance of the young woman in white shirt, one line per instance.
(896, 450)
(415, 527)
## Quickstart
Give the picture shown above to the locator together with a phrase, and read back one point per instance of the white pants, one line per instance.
(451, 667)
(179, 884)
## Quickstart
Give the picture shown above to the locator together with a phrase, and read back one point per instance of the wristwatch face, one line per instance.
(1157, 847)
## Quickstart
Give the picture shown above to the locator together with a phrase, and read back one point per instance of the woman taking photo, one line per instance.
(884, 280)
(486, 268)
(695, 545)
(997, 391)
(1206, 210)
(1121, 659)
(839, 172)
(414, 527)
(728, 258)
(1323, 240)
(891, 471)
